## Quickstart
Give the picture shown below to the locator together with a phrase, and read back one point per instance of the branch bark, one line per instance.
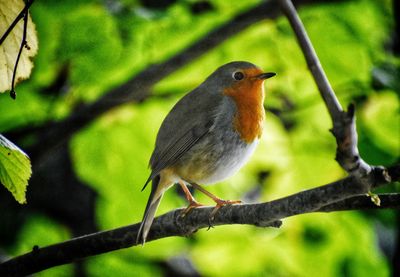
(268, 214)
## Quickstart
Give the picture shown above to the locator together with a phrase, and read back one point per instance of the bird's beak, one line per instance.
(264, 76)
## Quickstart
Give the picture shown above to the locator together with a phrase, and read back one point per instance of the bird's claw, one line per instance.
(220, 203)
(210, 219)
(191, 206)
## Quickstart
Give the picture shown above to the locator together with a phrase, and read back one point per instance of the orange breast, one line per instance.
(248, 95)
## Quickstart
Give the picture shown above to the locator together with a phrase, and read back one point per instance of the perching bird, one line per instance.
(207, 136)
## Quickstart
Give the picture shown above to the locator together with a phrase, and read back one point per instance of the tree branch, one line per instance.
(344, 128)
(269, 214)
(321, 80)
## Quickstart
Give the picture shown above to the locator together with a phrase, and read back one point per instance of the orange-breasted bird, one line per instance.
(207, 136)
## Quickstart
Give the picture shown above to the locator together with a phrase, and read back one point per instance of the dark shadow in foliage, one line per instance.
(200, 7)
(54, 190)
(396, 35)
(157, 4)
(60, 84)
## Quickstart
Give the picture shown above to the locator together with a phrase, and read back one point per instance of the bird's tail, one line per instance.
(151, 208)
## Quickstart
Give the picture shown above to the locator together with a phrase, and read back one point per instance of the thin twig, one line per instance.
(13, 94)
(16, 20)
(313, 62)
(321, 199)
(344, 128)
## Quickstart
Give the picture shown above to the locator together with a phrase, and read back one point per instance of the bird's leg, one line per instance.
(192, 202)
(220, 202)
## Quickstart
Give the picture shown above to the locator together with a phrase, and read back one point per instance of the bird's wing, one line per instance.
(189, 121)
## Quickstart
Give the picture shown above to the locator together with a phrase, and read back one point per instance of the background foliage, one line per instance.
(88, 47)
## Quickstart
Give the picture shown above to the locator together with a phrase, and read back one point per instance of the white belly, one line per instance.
(231, 164)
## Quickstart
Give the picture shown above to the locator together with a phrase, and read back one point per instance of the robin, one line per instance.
(207, 136)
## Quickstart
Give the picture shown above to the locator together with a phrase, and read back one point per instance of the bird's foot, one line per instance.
(220, 204)
(192, 204)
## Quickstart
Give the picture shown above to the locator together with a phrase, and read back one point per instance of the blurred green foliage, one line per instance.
(104, 43)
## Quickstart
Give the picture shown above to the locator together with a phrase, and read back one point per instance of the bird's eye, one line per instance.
(238, 75)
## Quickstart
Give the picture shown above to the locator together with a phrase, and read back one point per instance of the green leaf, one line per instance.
(15, 169)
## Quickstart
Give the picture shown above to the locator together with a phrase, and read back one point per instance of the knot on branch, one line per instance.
(381, 176)
(347, 155)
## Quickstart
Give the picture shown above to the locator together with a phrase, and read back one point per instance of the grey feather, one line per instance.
(184, 126)
(152, 204)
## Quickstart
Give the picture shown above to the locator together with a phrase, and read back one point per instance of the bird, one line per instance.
(208, 135)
